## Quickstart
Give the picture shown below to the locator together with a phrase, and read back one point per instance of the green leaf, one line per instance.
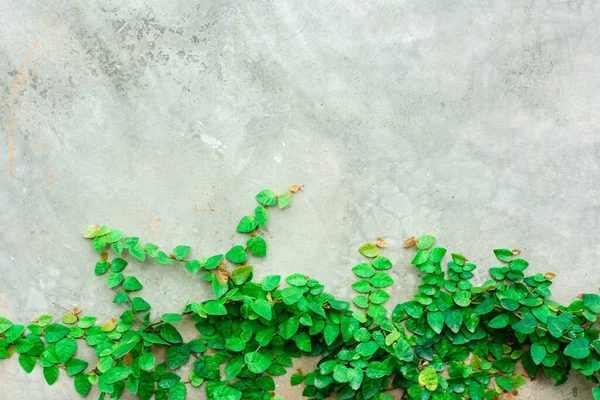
(527, 325)
(267, 197)
(330, 333)
(462, 298)
(538, 353)
(114, 375)
(362, 286)
(499, 321)
(163, 259)
(297, 280)
(262, 308)
(485, 307)
(429, 377)
(65, 349)
(270, 282)
(168, 380)
(596, 393)
(212, 262)
(592, 301)
(436, 321)
(247, 224)
(99, 243)
(139, 304)
(425, 241)
(382, 263)
(55, 332)
(437, 254)
(503, 254)
(114, 279)
(241, 274)
(181, 252)
(296, 378)
(578, 348)
(262, 215)
(289, 327)
(138, 252)
(178, 391)
(257, 362)
(193, 266)
(27, 362)
(257, 246)
(355, 377)
(132, 284)
(91, 231)
(364, 270)
(82, 385)
(146, 361)
(291, 295)
(453, 318)
(51, 374)
(237, 254)
(75, 366)
(369, 250)
(5, 324)
(86, 321)
(226, 393)
(284, 200)
(379, 296)
(381, 280)
(212, 307)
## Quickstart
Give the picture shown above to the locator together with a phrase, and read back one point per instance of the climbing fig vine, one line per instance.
(455, 340)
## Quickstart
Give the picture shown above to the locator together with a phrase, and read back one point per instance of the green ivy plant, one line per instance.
(455, 340)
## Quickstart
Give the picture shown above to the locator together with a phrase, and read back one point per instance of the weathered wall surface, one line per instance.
(476, 121)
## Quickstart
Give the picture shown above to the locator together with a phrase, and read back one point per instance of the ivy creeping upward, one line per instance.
(454, 340)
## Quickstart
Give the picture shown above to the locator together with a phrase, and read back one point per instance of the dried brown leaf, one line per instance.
(294, 188)
(381, 242)
(104, 256)
(222, 275)
(410, 242)
(516, 252)
(549, 275)
(76, 310)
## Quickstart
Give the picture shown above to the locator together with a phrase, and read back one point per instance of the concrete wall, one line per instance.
(476, 121)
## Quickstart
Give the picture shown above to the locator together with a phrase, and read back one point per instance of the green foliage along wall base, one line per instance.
(453, 341)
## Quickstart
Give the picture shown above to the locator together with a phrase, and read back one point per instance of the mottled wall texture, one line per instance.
(476, 121)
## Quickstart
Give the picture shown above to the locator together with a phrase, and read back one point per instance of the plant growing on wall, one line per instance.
(455, 340)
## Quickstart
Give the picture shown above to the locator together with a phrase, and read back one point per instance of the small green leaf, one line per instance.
(453, 318)
(362, 286)
(429, 377)
(291, 295)
(503, 254)
(247, 224)
(226, 393)
(132, 284)
(257, 246)
(527, 325)
(5, 324)
(241, 274)
(146, 361)
(212, 307)
(138, 252)
(262, 215)
(284, 200)
(139, 304)
(578, 348)
(267, 197)
(82, 385)
(462, 298)
(379, 296)
(425, 241)
(436, 321)
(382, 263)
(257, 362)
(237, 254)
(297, 279)
(193, 266)
(178, 391)
(181, 252)
(51, 374)
(499, 321)
(296, 378)
(592, 301)
(270, 282)
(485, 307)
(91, 231)
(538, 353)
(55, 332)
(369, 250)
(65, 349)
(75, 366)
(27, 362)
(262, 308)
(364, 270)
(381, 280)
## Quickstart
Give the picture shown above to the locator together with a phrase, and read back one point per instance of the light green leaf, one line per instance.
(369, 250)
(578, 348)
(91, 231)
(425, 241)
(262, 308)
(181, 252)
(538, 353)
(428, 378)
(241, 274)
(212, 307)
(381, 280)
(364, 270)
(51, 374)
(267, 197)
(284, 200)
(270, 282)
(503, 254)
(132, 284)
(27, 362)
(226, 393)
(257, 362)
(436, 321)
(138, 252)
(262, 215)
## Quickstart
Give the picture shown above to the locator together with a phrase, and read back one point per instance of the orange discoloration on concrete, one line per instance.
(49, 176)
(20, 83)
(146, 210)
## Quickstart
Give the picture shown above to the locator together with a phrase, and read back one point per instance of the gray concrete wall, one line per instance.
(476, 121)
